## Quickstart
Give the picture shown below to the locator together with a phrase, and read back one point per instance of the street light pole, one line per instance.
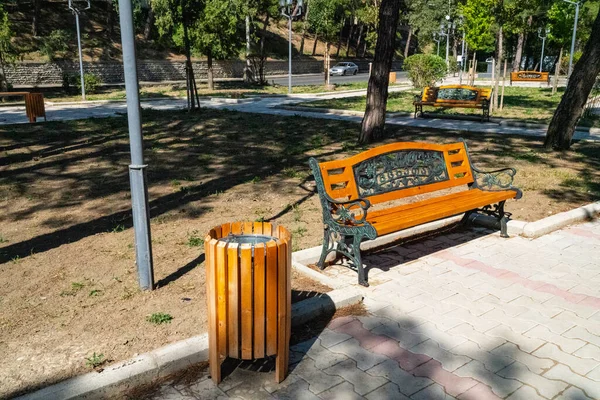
(290, 12)
(137, 169)
(76, 11)
(574, 35)
(436, 38)
(546, 31)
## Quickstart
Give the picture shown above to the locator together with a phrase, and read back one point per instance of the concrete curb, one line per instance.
(116, 379)
(79, 103)
(543, 226)
(335, 111)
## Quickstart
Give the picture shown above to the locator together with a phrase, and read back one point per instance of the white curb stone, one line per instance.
(557, 221)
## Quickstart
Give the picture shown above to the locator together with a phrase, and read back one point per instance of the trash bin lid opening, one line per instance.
(247, 239)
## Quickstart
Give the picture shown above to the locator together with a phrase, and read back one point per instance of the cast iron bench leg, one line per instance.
(325, 250)
(503, 220)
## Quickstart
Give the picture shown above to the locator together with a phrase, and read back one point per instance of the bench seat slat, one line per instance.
(409, 215)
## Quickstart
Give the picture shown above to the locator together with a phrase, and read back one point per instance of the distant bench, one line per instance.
(529, 76)
(454, 96)
(34, 104)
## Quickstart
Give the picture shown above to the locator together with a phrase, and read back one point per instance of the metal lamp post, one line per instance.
(137, 169)
(290, 11)
(77, 11)
(446, 29)
(543, 37)
(437, 38)
(574, 35)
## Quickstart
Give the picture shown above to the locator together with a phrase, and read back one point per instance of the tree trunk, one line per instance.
(149, 24)
(304, 29)
(349, 39)
(569, 110)
(364, 50)
(110, 18)
(189, 67)
(326, 64)
(358, 39)
(373, 122)
(248, 75)
(209, 71)
(499, 59)
(339, 43)
(516, 65)
(3, 80)
(407, 47)
(557, 71)
(35, 23)
(315, 45)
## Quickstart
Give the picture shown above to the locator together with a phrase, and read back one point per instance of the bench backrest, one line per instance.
(455, 94)
(529, 76)
(397, 170)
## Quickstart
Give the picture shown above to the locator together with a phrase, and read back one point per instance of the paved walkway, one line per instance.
(269, 105)
(465, 315)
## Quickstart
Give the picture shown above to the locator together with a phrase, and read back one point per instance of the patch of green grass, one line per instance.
(256, 179)
(95, 293)
(529, 156)
(296, 213)
(15, 259)
(118, 228)
(95, 360)
(159, 318)
(3, 239)
(195, 240)
(75, 287)
(299, 232)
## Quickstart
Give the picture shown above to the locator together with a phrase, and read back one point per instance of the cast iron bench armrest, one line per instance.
(499, 179)
(417, 99)
(342, 211)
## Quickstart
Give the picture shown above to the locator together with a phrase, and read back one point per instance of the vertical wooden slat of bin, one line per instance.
(233, 301)
(267, 229)
(236, 228)
(283, 233)
(247, 228)
(259, 300)
(258, 228)
(213, 357)
(221, 258)
(282, 346)
(271, 296)
(225, 229)
(246, 294)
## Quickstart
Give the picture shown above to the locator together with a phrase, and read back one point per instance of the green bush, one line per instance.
(57, 41)
(425, 69)
(564, 62)
(92, 82)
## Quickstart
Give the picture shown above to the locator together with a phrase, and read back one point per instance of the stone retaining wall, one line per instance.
(51, 74)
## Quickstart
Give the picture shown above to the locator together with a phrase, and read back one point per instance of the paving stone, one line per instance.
(492, 362)
(573, 393)
(562, 372)
(373, 305)
(481, 323)
(546, 387)
(249, 391)
(370, 322)
(363, 382)
(588, 324)
(407, 383)
(432, 392)
(450, 361)
(363, 358)
(406, 359)
(567, 345)
(322, 357)
(339, 322)
(330, 338)
(515, 323)
(270, 385)
(168, 392)
(525, 343)
(594, 374)
(387, 392)
(317, 379)
(404, 337)
(442, 322)
(474, 307)
(343, 391)
(579, 332)
(484, 341)
(296, 391)
(443, 339)
(556, 326)
(397, 312)
(500, 386)
(453, 383)
(509, 308)
(479, 392)
(366, 338)
(579, 365)
(534, 364)
(588, 351)
(580, 310)
(525, 393)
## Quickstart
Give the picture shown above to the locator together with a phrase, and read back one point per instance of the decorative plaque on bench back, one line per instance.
(457, 94)
(399, 170)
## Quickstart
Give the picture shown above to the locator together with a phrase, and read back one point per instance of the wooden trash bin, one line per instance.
(248, 285)
(34, 106)
(392, 77)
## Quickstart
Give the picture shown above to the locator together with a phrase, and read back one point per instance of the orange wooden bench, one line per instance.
(34, 104)
(454, 96)
(348, 188)
(530, 76)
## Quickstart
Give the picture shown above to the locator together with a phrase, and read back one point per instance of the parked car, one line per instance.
(344, 68)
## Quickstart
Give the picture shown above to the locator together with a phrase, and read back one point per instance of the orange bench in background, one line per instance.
(454, 96)
(529, 76)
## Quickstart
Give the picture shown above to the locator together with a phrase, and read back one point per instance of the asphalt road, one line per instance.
(318, 79)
